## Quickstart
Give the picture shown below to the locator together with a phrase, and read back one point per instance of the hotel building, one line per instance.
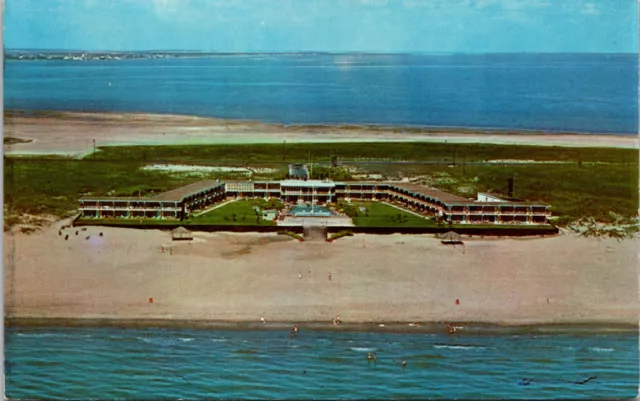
(181, 202)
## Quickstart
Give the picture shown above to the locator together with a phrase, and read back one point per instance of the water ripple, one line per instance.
(132, 363)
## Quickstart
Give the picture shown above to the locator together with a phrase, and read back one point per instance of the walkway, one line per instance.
(405, 210)
(213, 207)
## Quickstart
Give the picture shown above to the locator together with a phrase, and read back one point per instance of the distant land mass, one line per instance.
(79, 55)
(36, 54)
(84, 55)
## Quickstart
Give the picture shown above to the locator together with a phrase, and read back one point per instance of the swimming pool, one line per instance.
(304, 211)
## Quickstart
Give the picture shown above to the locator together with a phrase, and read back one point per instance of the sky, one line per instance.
(381, 26)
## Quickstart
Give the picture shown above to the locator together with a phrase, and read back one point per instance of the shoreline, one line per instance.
(228, 280)
(431, 327)
(72, 133)
(407, 128)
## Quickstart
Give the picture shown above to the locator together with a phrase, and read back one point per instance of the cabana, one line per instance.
(181, 234)
(451, 238)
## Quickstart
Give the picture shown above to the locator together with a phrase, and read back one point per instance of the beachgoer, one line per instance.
(262, 320)
(404, 364)
(299, 275)
(329, 276)
(369, 356)
(375, 357)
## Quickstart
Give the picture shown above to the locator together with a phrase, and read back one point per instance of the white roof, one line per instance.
(308, 183)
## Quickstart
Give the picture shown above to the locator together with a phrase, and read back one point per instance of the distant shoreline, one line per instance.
(399, 128)
(73, 133)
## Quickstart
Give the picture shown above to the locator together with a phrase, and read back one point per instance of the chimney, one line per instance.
(510, 191)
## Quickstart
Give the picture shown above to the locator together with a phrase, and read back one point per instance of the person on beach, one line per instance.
(404, 365)
(329, 276)
(300, 275)
(375, 357)
(369, 357)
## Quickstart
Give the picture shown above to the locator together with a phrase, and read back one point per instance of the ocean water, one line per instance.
(153, 363)
(551, 92)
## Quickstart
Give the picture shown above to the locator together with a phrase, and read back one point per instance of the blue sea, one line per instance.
(153, 363)
(551, 92)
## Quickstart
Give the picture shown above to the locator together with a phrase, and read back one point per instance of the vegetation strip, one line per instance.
(596, 182)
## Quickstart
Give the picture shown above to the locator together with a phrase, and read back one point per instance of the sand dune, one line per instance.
(73, 133)
(222, 276)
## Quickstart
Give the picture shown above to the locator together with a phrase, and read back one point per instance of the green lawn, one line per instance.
(383, 215)
(235, 213)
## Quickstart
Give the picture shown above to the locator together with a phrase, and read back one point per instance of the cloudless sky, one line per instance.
(435, 26)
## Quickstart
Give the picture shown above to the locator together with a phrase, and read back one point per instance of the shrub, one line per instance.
(340, 234)
(292, 235)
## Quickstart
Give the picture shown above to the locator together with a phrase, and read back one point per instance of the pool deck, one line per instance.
(306, 211)
(334, 221)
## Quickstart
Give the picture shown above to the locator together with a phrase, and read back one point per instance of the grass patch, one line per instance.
(377, 214)
(235, 213)
(323, 152)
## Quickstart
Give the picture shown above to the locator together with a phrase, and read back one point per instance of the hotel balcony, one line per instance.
(125, 208)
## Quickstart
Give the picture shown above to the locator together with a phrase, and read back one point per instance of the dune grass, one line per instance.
(398, 151)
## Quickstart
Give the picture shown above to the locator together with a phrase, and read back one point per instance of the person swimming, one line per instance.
(404, 364)
(368, 356)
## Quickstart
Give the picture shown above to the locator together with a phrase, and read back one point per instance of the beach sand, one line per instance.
(391, 278)
(68, 133)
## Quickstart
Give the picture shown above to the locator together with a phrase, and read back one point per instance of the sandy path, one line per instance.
(374, 278)
(73, 133)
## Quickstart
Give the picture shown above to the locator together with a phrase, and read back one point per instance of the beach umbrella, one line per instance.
(451, 237)
(181, 233)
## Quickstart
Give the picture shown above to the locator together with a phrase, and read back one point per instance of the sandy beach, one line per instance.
(72, 134)
(245, 277)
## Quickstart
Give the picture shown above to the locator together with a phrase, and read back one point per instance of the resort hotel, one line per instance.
(306, 198)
